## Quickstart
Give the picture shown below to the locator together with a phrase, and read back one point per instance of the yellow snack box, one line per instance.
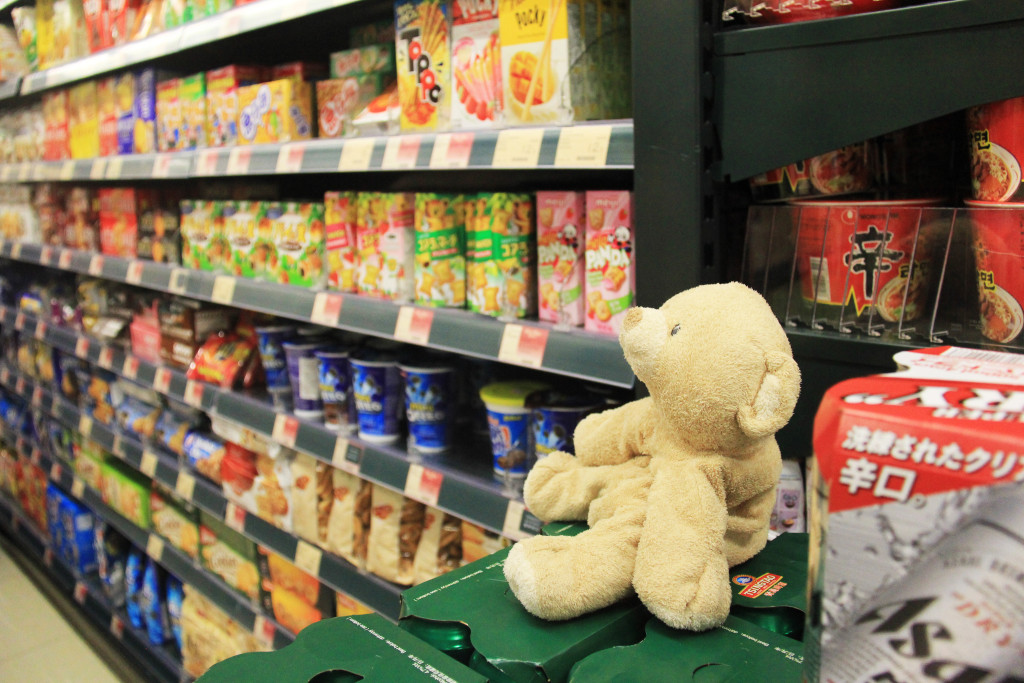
(168, 116)
(423, 56)
(278, 111)
(534, 38)
(84, 118)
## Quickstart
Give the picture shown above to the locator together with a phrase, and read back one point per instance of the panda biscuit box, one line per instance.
(610, 269)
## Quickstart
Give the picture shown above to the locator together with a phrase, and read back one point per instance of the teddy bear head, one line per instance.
(717, 364)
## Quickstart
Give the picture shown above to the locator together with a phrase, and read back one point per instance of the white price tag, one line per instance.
(518, 148)
(85, 426)
(162, 166)
(585, 146)
(64, 261)
(327, 309)
(40, 333)
(16, 251)
(98, 170)
(96, 266)
(67, 170)
(134, 275)
(413, 324)
(286, 429)
(46, 255)
(114, 166)
(194, 393)
(117, 448)
(264, 630)
(148, 464)
(20, 386)
(289, 159)
(451, 150)
(234, 517)
(82, 347)
(356, 154)
(81, 592)
(5, 376)
(340, 457)
(162, 380)
(308, 557)
(117, 626)
(206, 163)
(423, 484)
(37, 396)
(523, 345)
(401, 152)
(238, 160)
(106, 359)
(223, 289)
(55, 472)
(19, 321)
(36, 457)
(155, 547)
(24, 171)
(130, 369)
(185, 486)
(78, 488)
(229, 24)
(178, 281)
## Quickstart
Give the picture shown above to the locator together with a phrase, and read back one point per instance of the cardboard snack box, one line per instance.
(124, 111)
(229, 555)
(83, 121)
(192, 95)
(168, 115)
(610, 285)
(476, 65)
(105, 89)
(340, 220)
(176, 522)
(277, 111)
(299, 238)
(440, 265)
(423, 60)
(560, 257)
(222, 101)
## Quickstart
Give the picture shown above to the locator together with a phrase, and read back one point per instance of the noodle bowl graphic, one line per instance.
(1001, 315)
(995, 173)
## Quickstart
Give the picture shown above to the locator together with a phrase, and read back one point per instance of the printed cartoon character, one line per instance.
(569, 236)
(621, 239)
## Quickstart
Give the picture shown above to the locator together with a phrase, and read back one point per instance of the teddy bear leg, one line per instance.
(562, 577)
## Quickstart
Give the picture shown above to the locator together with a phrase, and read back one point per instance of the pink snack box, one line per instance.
(610, 271)
(560, 256)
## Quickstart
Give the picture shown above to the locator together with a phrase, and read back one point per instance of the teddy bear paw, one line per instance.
(692, 605)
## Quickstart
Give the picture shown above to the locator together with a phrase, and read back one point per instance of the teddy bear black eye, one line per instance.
(675, 329)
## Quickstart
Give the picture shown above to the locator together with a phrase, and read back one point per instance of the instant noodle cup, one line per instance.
(996, 134)
(998, 246)
(508, 418)
(334, 388)
(846, 170)
(858, 255)
(429, 404)
(377, 390)
(554, 419)
(304, 376)
(788, 12)
(270, 340)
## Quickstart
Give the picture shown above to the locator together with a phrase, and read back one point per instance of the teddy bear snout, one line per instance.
(632, 319)
(642, 336)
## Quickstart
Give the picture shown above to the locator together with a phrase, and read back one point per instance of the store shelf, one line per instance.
(12, 86)
(161, 663)
(575, 353)
(857, 77)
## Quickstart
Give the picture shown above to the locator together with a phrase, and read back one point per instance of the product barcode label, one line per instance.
(194, 393)
(37, 396)
(264, 630)
(583, 146)
(82, 347)
(114, 167)
(518, 148)
(64, 261)
(85, 426)
(178, 281)
(134, 275)
(80, 592)
(16, 250)
(96, 266)
(206, 164)
(234, 517)
(19, 322)
(98, 170)
(451, 150)
(400, 152)
(523, 345)
(223, 289)
(413, 324)
(162, 166)
(67, 170)
(106, 359)
(238, 160)
(289, 159)
(46, 256)
(130, 369)
(162, 380)
(40, 330)
(55, 472)
(117, 626)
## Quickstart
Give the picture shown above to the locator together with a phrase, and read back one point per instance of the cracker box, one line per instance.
(397, 245)
(369, 59)
(440, 263)
(422, 57)
(204, 245)
(121, 19)
(124, 110)
(476, 65)
(97, 34)
(57, 136)
(278, 111)
(160, 231)
(176, 522)
(144, 112)
(229, 555)
(105, 88)
(535, 61)
(369, 217)
(915, 516)
(610, 271)
(300, 238)
(500, 279)
(340, 220)
(192, 94)
(295, 598)
(251, 255)
(44, 33)
(168, 116)
(83, 121)
(560, 257)
(222, 101)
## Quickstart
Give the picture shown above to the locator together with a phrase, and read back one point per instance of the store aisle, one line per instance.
(36, 643)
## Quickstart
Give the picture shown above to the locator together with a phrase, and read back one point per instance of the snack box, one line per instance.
(423, 60)
(168, 115)
(204, 246)
(736, 651)
(176, 522)
(339, 100)
(610, 285)
(229, 555)
(83, 121)
(278, 111)
(381, 116)
(184, 326)
(440, 263)
(75, 524)
(300, 237)
(57, 136)
(97, 34)
(367, 648)
(246, 227)
(121, 19)
(340, 221)
(295, 598)
(124, 111)
(347, 606)
(105, 89)
(915, 511)
(476, 65)
(144, 140)
(393, 214)
(222, 101)
(127, 491)
(303, 71)
(89, 464)
(160, 231)
(500, 277)
(192, 94)
(535, 62)
(369, 59)
(120, 208)
(560, 257)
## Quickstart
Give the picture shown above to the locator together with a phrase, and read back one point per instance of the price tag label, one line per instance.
(64, 261)
(37, 396)
(80, 592)
(78, 488)
(148, 464)
(523, 345)
(326, 309)
(20, 385)
(114, 166)
(238, 160)
(223, 289)
(308, 557)
(48, 557)
(36, 457)
(96, 266)
(16, 250)
(20, 444)
(67, 170)
(513, 518)
(162, 380)
(414, 324)
(55, 472)
(82, 347)
(206, 163)
(583, 146)
(106, 359)
(134, 275)
(356, 154)
(423, 484)
(194, 393)
(117, 626)
(401, 152)
(234, 517)
(46, 256)
(19, 321)
(130, 369)
(178, 281)
(117, 448)
(185, 486)
(264, 630)
(155, 547)
(289, 159)
(346, 457)
(98, 170)
(85, 426)
(40, 330)
(451, 150)
(518, 148)
(286, 429)
(162, 166)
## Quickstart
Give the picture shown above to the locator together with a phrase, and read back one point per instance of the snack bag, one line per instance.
(560, 257)
(349, 521)
(535, 61)
(192, 95)
(611, 274)
(476, 65)
(440, 547)
(395, 529)
(222, 101)
(422, 56)
(224, 359)
(340, 220)
(312, 498)
(105, 97)
(168, 115)
(300, 238)
(440, 262)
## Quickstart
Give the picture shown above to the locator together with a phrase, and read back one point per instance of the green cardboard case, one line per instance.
(770, 589)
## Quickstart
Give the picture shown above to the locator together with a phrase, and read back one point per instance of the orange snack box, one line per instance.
(107, 116)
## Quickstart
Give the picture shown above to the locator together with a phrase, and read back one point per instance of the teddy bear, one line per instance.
(677, 486)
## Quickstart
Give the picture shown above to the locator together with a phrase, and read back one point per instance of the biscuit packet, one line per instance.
(440, 548)
(348, 520)
(611, 272)
(312, 495)
(396, 526)
(440, 265)
(501, 278)
(340, 217)
(478, 542)
(369, 215)
(560, 257)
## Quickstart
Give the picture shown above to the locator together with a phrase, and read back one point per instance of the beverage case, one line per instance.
(916, 505)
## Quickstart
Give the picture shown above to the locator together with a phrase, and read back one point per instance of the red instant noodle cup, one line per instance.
(854, 256)
(847, 170)
(996, 134)
(791, 11)
(997, 238)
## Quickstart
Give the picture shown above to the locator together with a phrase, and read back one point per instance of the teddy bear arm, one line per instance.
(747, 529)
(561, 488)
(616, 435)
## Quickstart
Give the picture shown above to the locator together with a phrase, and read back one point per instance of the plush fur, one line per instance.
(676, 487)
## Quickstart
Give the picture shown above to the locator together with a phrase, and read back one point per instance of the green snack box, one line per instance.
(736, 651)
(127, 491)
(229, 555)
(440, 263)
(365, 648)
(192, 97)
(300, 238)
(204, 245)
(472, 615)
(251, 255)
(369, 59)
(501, 276)
(770, 589)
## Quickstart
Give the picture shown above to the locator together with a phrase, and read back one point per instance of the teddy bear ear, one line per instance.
(776, 397)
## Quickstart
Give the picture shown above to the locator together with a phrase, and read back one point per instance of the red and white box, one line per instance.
(916, 516)
(560, 241)
(610, 260)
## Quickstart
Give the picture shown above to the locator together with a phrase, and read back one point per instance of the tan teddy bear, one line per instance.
(676, 487)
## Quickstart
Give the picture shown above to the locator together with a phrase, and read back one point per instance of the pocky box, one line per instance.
(611, 273)
(105, 94)
(83, 121)
(440, 262)
(192, 95)
(560, 256)
(168, 116)
(278, 111)
(222, 102)
(476, 64)
(340, 219)
(300, 238)
(535, 61)
(423, 60)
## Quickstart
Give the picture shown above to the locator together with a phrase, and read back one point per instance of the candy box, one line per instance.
(192, 92)
(340, 220)
(105, 94)
(121, 19)
(300, 237)
(222, 101)
(97, 34)
(535, 62)
(368, 59)
(915, 509)
(560, 256)
(610, 271)
(278, 111)
(500, 278)
(423, 60)
(476, 65)
(252, 252)
(168, 116)
(124, 110)
(440, 264)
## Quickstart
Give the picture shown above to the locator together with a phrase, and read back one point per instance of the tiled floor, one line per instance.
(36, 643)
